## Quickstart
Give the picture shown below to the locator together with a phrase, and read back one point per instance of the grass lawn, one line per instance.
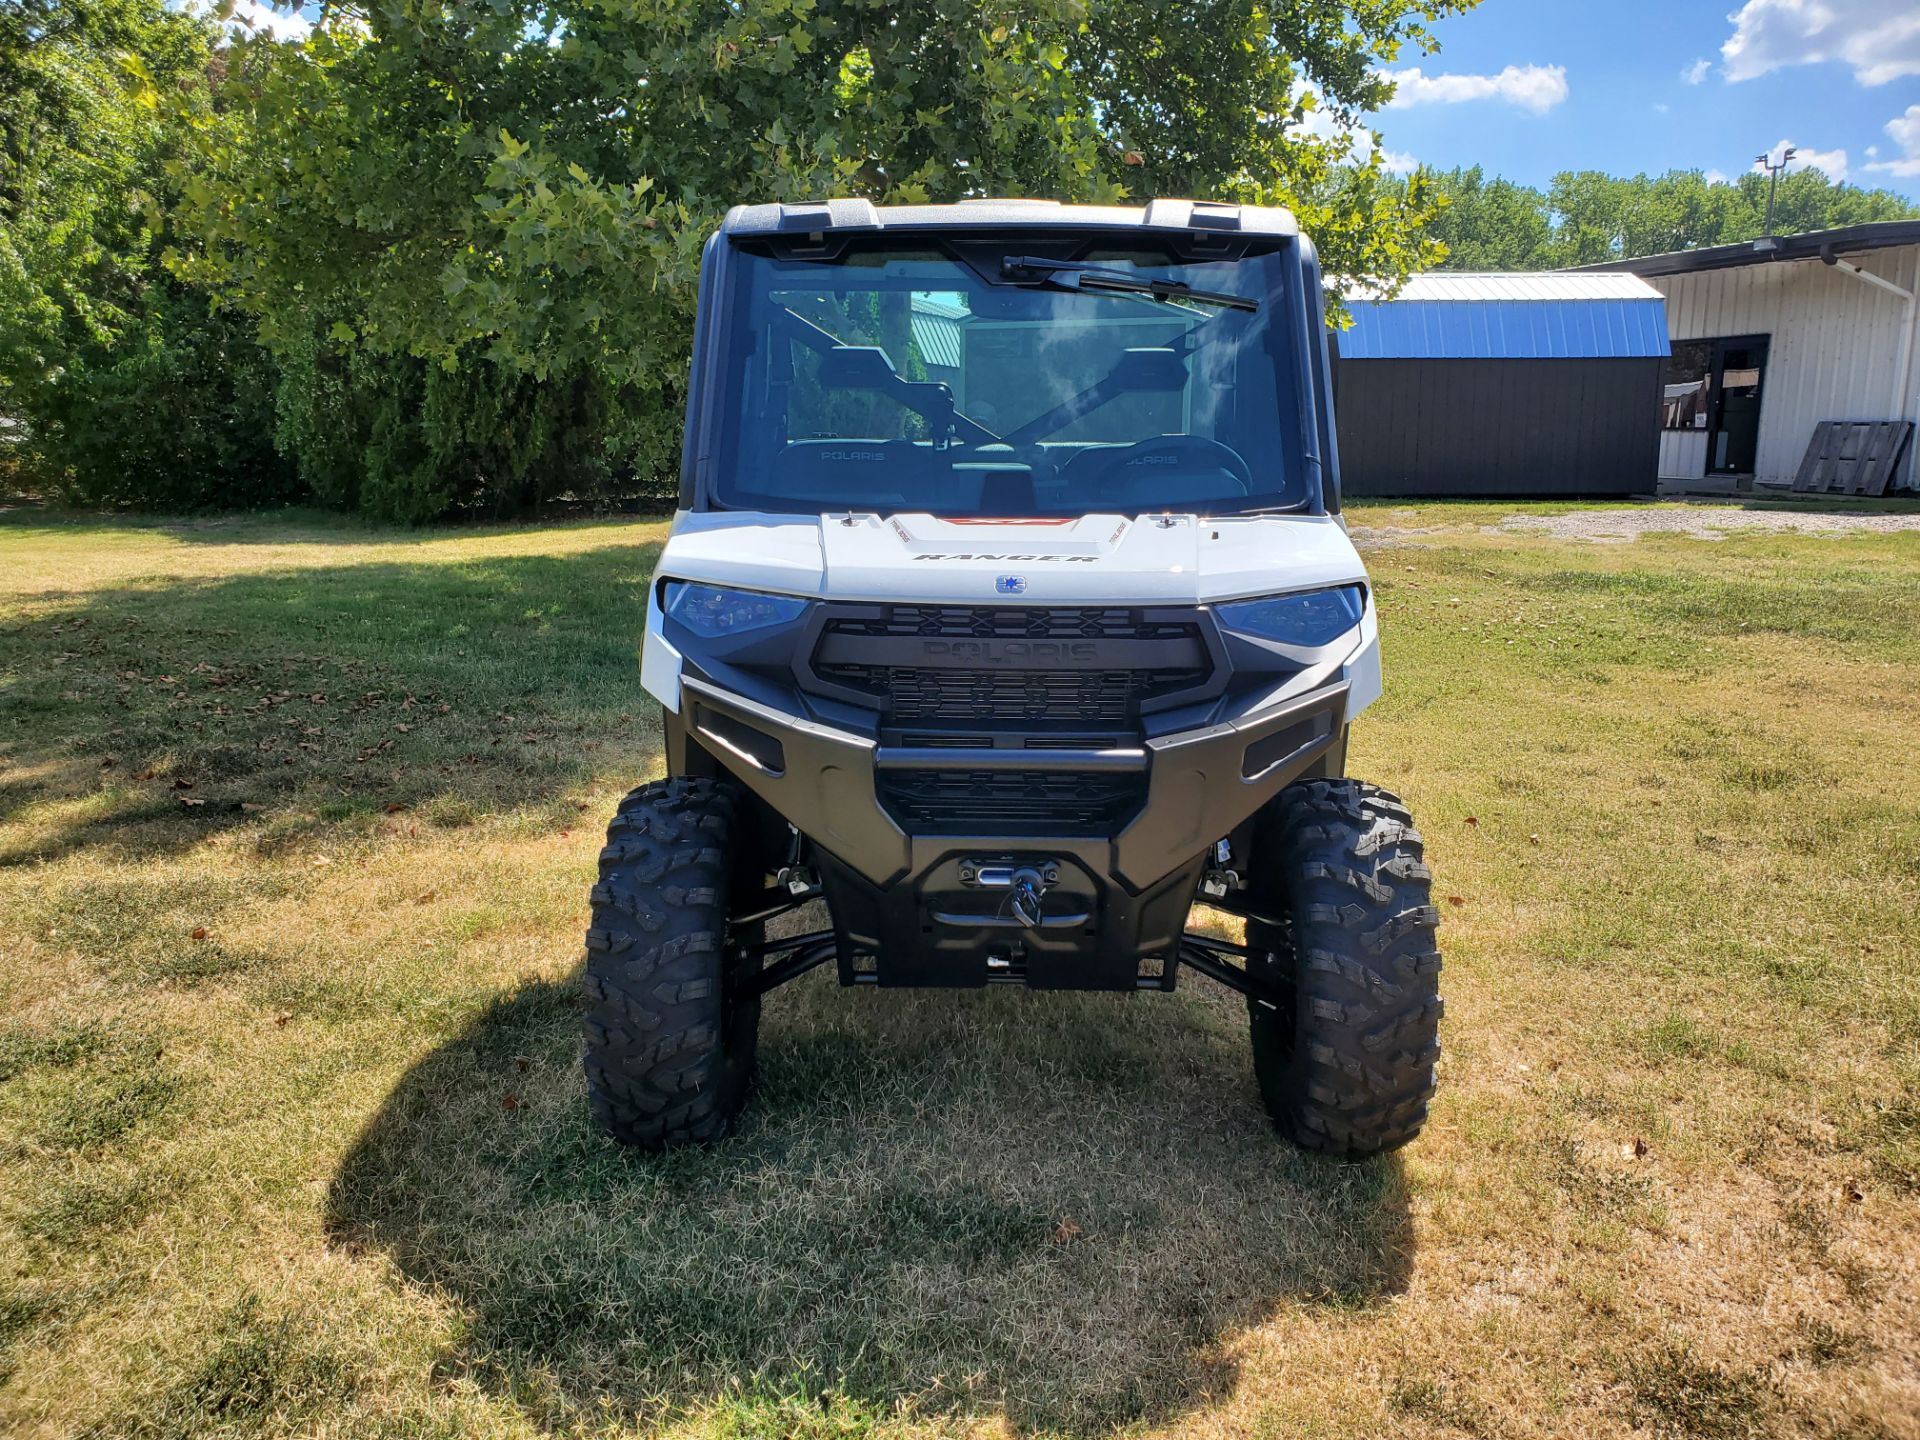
(297, 823)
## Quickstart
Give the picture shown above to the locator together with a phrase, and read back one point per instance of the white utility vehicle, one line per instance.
(1009, 612)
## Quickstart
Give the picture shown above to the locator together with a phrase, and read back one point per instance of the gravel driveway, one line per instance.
(1699, 521)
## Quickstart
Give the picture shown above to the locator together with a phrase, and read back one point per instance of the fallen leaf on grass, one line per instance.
(393, 807)
(321, 860)
(281, 1020)
(1473, 819)
(181, 784)
(251, 808)
(1533, 839)
(190, 801)
(425, 899)
(144, 775)
(1636, 1151)
(509, 1101)
(1065, 1232)
(199, 933)
(1456, 899)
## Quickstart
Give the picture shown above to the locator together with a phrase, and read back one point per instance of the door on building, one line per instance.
(1733, 424)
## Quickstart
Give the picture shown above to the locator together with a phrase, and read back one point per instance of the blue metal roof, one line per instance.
(936, 330)
(1508, 318)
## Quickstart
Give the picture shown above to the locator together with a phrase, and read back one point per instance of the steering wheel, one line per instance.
(1139, 463)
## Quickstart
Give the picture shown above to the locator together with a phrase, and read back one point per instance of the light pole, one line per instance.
(1767, 163)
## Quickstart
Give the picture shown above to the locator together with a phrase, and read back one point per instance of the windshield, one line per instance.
(1012, 379)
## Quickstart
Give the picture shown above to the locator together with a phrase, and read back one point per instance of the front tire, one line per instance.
(670, 1033)
(1345, 1056)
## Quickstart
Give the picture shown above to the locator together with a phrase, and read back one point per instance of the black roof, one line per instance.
(1815, 245)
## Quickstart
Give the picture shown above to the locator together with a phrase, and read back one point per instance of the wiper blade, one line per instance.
(1077, 275)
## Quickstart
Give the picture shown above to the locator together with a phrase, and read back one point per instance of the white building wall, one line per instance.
(1836, 345)
(1683, 454)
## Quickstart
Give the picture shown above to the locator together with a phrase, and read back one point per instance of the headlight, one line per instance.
(1318, 617)
(713, 612)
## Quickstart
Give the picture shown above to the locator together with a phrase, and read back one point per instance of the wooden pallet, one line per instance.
(1852, 457)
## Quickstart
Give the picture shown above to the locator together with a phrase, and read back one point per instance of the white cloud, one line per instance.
(1358, 142)
(1717, 177)
(1660, 107)
(1904, 131)
(252, 17)
(1832, 162)
(1322, 124)
(1697, 72)
(1880, 39)
(1531, 87)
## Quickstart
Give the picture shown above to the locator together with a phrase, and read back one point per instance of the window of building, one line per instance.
(1689, 384)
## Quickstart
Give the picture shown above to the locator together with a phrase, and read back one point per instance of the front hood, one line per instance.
(1095, 559)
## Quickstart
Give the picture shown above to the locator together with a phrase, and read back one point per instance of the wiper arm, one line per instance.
(1077, 275)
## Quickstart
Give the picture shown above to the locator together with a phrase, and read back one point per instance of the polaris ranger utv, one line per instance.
(1008, 611)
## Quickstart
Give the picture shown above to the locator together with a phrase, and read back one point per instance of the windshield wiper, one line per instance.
(1077, 275)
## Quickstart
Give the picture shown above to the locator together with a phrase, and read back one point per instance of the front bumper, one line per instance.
(902, 904)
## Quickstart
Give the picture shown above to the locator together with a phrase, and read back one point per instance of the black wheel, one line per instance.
(1346, 1060)
(670, 1035)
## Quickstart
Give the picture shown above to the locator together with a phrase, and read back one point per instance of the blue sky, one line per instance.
(1527, 88)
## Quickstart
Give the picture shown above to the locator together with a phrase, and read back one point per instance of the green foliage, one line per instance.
(401, 439)
(1587, 218)
(175, 414)
(117, 382)
(471, 233)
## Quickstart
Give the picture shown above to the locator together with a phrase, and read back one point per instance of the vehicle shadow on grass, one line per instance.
(1054, 1209)
(142, 720)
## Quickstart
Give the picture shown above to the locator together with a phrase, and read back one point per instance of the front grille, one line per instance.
(958, 697)
(960, 666)
(970, 622)
(1011, 802)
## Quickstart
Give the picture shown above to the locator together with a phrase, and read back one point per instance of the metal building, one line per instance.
(1535, 384)
(1773, 337)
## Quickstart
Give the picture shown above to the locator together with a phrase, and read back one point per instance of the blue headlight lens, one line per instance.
(1318, 617)
(713, 612)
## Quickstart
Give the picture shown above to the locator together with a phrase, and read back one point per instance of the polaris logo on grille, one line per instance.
(1009, 652)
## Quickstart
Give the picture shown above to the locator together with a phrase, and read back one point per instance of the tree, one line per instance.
(517, 192)
(117, 382)
(1492, 224)
(1588, 217)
